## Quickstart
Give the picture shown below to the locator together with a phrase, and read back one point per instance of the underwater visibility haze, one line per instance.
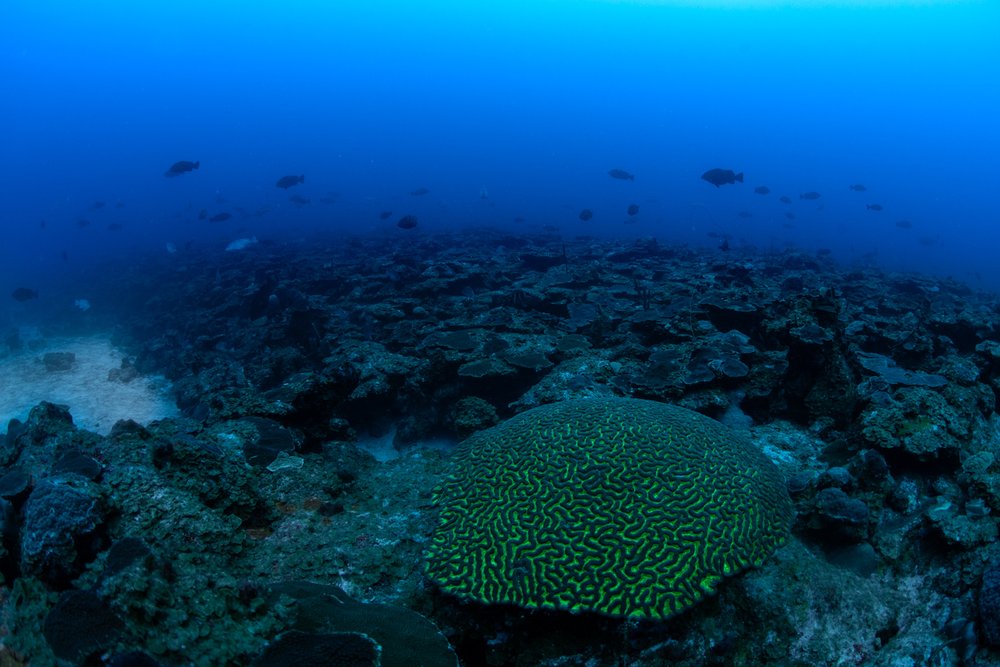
(338, 328)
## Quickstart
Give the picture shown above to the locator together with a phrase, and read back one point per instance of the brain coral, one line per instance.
(622, 507)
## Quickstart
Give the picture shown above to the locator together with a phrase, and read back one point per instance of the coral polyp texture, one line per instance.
(622, 507)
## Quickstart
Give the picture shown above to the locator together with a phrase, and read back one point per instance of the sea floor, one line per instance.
(272, 500)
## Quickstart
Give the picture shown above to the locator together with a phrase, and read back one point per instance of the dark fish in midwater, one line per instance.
(41, 224)
(182, 167)
(857, 187)
(904, 224)
(874, 207)
(82, 222)
(746, 215)
(719, 177)
(384, 215)
(202, 214)
(789, 215)
(633, 209)
(621, 175)
(23, 294)
(519, 219)
(724, 246)
(407, 222)
(419, 192)
(220, 217)
(299, 200)
(115, 227)
(586, 214)
(762, 190)
(96, 206)
(810, 195)
(286, 182)
(785, 199)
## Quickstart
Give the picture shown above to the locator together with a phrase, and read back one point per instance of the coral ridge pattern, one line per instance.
(623, 507)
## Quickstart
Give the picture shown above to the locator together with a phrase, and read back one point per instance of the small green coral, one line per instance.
(623, 507)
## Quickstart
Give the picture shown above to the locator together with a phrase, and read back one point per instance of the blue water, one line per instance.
(502, 110)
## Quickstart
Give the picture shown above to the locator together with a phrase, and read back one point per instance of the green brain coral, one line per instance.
(622, 507)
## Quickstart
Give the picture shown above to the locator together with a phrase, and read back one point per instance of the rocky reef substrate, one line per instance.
(259, 524)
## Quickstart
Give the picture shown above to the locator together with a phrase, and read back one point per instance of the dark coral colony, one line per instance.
(483, 448)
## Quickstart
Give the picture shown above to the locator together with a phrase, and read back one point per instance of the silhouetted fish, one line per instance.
(202, 214)
(23, 294)
(407, 222)
(115, 227)
(762, 190)
(719, 177)
(746, 215)
(82, 222)
(789, 215)
(586, 214)
(96, 206)
(182, 167)
(857, 187)
(384, 215)
(419, 192)
(633, 209)
(220, 217)
(904, 224)
(286, 182)
(621, 175)
(785, 199)
(810, 195)
(874, 207)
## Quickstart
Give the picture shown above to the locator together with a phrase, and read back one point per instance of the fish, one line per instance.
(621, 175)
(407, 222)
(904, 224)
(719, 177)
(519, 219)
(241, 244)
(23, 294)
(299, 200)
(97, 206)
(586, 214)
(873, 207)
(419, 192)
(220, 217)
(182, 167)
(789, 215)
(385, 215)
(785, 199)
(82, 222)
(857, 187)
(762, 190)
(286, 182)
(115, 227)
(633, 209)
(810, 195)
(746, 215)
(202, 214)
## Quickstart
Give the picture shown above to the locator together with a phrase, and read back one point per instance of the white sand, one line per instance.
(95, 402)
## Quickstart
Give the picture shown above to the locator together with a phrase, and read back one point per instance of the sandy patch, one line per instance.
(95, 402)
